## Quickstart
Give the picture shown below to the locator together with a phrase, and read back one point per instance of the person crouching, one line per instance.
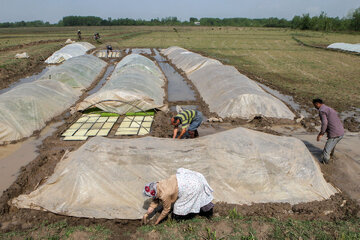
(189, 120)
(187, 190)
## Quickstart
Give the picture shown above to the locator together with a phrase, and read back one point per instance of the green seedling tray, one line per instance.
(147, 113)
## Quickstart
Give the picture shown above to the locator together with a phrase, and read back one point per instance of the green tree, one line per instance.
(355, 20)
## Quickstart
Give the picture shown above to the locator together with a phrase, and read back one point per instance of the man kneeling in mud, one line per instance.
(189, 120)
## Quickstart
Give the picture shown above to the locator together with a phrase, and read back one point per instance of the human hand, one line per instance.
(144, 220)
(319, 137)
(150, 210)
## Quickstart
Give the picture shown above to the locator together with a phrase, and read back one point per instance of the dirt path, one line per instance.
(344, 170)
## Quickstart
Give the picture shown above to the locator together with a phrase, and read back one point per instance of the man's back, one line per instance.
(330, 122)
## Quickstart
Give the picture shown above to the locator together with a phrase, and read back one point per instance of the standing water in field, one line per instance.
(158, 57)
(287, 99)
(178, 89)
(15, 156)
(108, 72)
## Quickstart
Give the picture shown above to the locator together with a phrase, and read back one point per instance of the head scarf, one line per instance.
(150, 190)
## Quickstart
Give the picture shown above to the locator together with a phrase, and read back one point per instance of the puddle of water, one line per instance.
(26, 80)
(288, 99)
(101, 83)
(14, 156)
(158, 57)
(178, 89)
(141, 50)
(355, 113)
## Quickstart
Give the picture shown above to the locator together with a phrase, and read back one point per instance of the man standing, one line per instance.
(331, 124)
(190, 120)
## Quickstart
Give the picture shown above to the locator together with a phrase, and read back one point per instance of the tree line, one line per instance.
(304, 22)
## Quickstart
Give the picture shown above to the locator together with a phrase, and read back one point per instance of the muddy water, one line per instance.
(287, 99)
(14, 156)
(102, 81)
(158, 57)
(178, 89)
(26, 80)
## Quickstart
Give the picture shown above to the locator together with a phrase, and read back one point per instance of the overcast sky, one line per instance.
(54, 10)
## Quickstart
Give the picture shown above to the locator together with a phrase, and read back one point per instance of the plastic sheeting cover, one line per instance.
(104, 178)
(346, 46)
(231, 94)
(78, 72)
(136, 80)
(188, 61)
(228, 93)
(70, 51)
(27, 107)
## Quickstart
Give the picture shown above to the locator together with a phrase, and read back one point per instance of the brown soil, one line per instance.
(352, 124)
(339, 206)
(34, 64)
(161, 126)
(344, 172)
(20, 46)
(9, 76)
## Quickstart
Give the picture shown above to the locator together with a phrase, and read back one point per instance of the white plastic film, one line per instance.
(188, 61)
(105, 177)
(228, 93)
(135, 85)
(346, 47)
(27, 107)
(70, 51)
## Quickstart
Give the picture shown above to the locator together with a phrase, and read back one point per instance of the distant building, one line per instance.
(197, 23)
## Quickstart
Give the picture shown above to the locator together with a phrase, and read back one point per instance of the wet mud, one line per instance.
(14, 156)
(27, 79)
(10, 76)
(20, 46)
(178, 89)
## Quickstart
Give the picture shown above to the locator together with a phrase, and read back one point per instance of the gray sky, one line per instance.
(54, 10)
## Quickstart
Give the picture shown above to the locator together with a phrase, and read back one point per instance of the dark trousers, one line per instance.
(206, 211)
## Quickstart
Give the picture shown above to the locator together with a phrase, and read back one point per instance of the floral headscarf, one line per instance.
(150, 190)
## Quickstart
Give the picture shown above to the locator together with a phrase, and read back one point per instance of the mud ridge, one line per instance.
(20, 46)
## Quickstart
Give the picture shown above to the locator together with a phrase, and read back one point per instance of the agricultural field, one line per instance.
(271, 56)
(293, 66)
